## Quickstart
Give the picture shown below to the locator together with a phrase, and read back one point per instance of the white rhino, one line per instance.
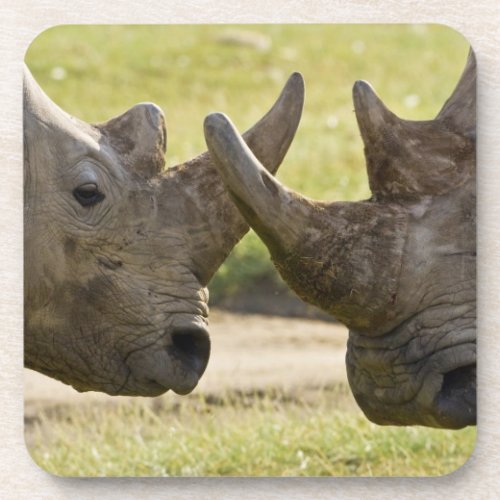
(118, 252)
(398, 269)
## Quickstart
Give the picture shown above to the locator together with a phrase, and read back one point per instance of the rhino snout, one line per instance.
(174, 362)
(407, 386)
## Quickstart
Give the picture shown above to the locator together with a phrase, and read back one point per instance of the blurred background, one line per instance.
(274, 399)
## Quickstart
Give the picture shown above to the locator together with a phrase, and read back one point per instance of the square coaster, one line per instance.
(341, 338)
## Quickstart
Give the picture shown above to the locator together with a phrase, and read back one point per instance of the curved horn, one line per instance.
(332, 255)
(220, 225)
(38, 104)
(459, 111)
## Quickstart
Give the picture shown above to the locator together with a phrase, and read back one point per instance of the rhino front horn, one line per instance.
(262, 200)
(330, 254)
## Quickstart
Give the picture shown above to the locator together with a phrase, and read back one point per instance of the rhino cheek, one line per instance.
(98, 299)
(97, 293)
(78, 355)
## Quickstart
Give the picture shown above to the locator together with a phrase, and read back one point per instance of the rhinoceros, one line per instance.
(118, 251)
(399, 268)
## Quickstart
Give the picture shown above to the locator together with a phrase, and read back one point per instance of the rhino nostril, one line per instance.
(460, 382)
(192, 347)
(456, 401)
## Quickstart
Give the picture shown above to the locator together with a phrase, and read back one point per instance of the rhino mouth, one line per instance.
(438, 390)
(456, 401)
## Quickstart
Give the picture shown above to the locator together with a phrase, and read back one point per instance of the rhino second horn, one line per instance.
(260, 197)
(269, 140)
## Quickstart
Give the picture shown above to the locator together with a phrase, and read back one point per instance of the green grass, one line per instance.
(190, 71)
(265, 436)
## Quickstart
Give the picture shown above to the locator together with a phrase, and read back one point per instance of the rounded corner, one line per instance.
(464, 464)
(456, 31)
(29, 451)
(38, 35)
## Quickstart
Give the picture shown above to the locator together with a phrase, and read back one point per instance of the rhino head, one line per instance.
(397, 269)
(118, 252)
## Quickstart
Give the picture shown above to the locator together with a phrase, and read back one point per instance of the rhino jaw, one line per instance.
(431, 383)
(453, 406)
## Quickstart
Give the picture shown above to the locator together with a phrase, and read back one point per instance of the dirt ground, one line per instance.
(248, 352)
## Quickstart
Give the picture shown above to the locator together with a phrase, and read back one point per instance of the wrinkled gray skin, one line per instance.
(118, 252)
(397, 269)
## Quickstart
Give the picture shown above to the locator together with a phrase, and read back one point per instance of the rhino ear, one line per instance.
(410, 159)
(139, 136)
(374, 119)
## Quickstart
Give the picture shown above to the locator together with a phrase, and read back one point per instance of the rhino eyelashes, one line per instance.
(88, 194)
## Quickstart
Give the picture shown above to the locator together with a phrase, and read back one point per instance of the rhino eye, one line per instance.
(88, 194)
